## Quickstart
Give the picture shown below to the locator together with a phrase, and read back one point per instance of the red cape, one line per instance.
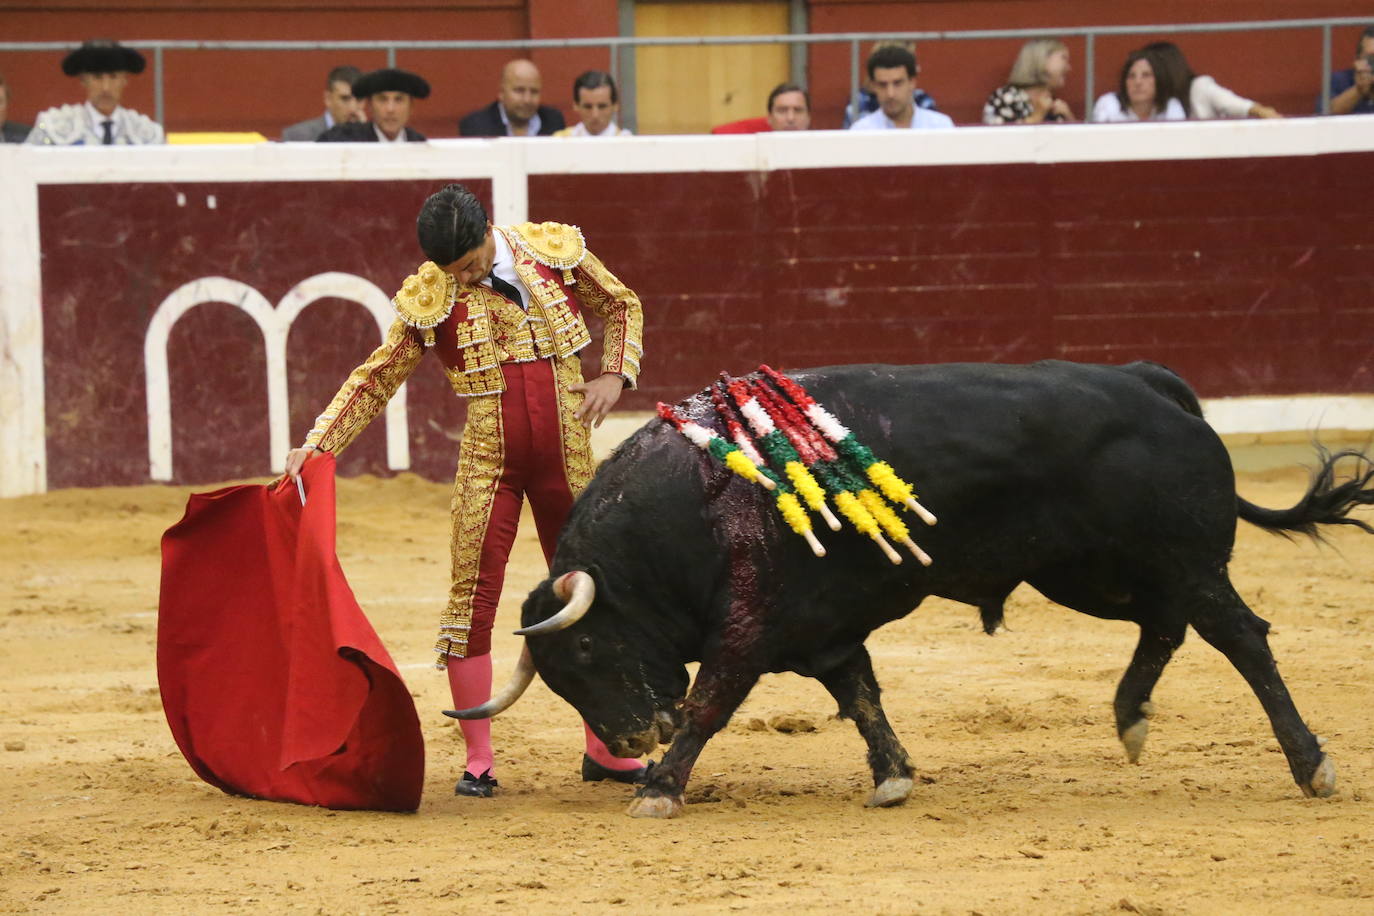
(274, 683)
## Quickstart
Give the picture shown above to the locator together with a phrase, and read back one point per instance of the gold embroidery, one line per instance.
(577, 440)
(555, 245)
(615, 304)
(367, 389)
(425, 299)
(481, 459)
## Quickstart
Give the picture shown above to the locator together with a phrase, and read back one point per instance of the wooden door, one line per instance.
(685, 90)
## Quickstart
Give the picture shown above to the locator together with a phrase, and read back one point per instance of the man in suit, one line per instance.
(10, 132)
(103, 66)
(387, 96)
(340, 107)
(516, 111)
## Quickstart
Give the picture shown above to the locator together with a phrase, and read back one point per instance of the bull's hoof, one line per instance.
(1133, 738)
(659, 806)
(1323, 781)
(890, 792)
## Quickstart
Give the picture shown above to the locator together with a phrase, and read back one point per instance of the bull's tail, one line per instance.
(1328, 500)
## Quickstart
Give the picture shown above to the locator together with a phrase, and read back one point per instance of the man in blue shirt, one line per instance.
(1352, 91)
(892, 74)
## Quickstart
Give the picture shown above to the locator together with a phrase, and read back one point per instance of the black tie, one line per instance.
(505, 289)
(109, 133)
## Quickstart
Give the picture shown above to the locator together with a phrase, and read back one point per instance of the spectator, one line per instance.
(1028, 97)
(341, 106)
(387, 96)
(789, 108)
(103, 67)
(1138, 97)
(868, 102)
(516, 111)
(892, 73)
(10, 132)
(1352, 91)
(1201, 97)
(598, 102)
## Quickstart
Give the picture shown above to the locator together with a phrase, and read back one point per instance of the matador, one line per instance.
(502, 307)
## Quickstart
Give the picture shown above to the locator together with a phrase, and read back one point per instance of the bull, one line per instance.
(1101, 486)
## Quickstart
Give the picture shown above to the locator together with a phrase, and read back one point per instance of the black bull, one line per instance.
(1100, 486)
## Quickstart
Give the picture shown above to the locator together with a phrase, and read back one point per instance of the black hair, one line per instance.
(344, 74)
(1173, 77)
(451, 223)
(595, 79)
(782, 88)
(1163, 84)
(887, 56)
(1359, 42)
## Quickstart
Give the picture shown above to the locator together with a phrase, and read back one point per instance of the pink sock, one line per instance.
(602, 754)
(469, 679)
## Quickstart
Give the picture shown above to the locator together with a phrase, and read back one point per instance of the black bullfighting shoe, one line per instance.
(595, 772)
(482, 786)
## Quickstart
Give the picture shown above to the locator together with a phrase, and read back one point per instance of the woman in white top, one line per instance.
(1202, 98)
(1138, 97)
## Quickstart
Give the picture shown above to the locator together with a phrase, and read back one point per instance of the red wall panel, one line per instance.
(113, 253)
(1248, 277)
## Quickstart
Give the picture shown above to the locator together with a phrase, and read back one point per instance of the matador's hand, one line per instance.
(296, 459)
(602, 393)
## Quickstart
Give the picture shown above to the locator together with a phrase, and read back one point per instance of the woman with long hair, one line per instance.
(1041, 67)
(1202, 98)
(1142, 93)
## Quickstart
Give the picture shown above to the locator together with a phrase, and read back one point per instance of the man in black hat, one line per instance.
(387, 96)
(103, 67)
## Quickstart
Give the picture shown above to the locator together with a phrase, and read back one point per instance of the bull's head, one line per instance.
(615, 677)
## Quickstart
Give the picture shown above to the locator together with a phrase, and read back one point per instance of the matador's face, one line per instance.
(475, 264)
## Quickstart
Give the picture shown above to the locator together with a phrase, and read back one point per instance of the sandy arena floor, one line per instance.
(1025, 803)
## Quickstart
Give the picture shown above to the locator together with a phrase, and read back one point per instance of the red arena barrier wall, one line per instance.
(183, 315)
(1246, 279)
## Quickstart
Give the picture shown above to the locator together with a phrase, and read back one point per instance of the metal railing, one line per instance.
(622, 48)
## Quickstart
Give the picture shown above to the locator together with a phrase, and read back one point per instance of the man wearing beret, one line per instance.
(503, 308)
(387, 96)
(103, 67)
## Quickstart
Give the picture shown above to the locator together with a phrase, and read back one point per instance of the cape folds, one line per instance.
(274, 683)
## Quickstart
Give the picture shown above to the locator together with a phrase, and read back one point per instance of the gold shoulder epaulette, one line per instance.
(555, 245)
(425, 299)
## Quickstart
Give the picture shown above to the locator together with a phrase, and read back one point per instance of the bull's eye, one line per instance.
(584, 650)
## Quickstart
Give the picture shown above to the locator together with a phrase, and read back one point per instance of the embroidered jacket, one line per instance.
(473, 330)
(71, 125)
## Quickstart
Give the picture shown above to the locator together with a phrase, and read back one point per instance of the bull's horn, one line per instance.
(519, 680)
(577, 589)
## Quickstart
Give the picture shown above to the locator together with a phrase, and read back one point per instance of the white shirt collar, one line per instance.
(533, 126)
(503, 265)
(383, 138)
(97, 120)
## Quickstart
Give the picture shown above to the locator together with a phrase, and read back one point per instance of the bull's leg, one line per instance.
(855, 689)
(1158, 642)
(719, 689)
(1233, 629)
